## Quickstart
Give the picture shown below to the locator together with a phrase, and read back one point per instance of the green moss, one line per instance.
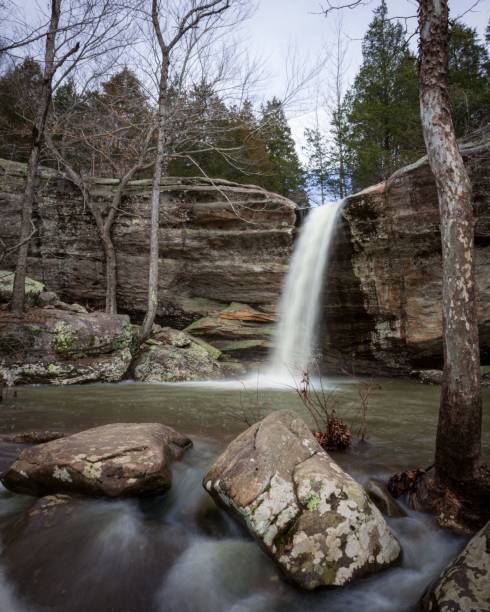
(241, 345)
(126, 338)
(65, 339)
(53, 368)
(32, 287)
(312, 501)
(212, 351)
(203, 324)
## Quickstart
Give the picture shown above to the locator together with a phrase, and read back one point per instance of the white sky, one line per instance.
(279, 25)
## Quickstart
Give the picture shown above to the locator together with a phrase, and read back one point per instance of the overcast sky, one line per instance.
(280, 29)
(281, 24)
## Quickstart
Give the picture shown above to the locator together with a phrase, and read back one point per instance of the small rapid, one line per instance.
(300, 303)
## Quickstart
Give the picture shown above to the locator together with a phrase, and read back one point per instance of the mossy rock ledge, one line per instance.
(63, 347)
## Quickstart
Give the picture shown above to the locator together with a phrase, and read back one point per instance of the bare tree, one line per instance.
(102, 134)
(76, 31)
(51, 65)
(181, 35)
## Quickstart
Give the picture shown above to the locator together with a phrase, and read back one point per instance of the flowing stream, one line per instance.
(301, 297)
(180, 553)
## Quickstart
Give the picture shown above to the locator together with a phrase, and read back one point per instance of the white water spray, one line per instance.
(300, 302)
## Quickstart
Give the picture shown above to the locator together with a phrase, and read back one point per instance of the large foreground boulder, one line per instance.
(116, 460)
(62, 347)
(465, 585)
(312, 518)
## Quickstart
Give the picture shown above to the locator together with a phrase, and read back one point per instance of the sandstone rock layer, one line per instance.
(220, 243)
(383, 301)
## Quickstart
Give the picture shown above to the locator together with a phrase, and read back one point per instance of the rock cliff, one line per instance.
(224, 247)
(383, 308)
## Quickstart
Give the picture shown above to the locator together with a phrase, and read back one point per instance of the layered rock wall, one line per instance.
(220, 243)
(383, 308)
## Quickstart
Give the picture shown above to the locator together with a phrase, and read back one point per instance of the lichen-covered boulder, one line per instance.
(312, 518)
(117, 460)
(465, 585)
(33, 288)
(174, 356)
(62, 347)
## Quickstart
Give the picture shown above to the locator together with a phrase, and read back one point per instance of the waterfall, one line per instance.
(300, 302)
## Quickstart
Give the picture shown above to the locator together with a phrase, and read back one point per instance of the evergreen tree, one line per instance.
(469, 80)
(384, 120)
(318, 170)
(19, 90)
(287, 176)
(340, 154)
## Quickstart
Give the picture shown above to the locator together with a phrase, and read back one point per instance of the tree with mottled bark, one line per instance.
(457, 487)
(457, 471)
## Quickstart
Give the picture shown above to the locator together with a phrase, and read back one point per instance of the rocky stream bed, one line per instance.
(178, 551)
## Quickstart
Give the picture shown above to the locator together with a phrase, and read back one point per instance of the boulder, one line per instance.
(33, 288)
(117, 460)
(312, 518)
(174, 356)
(62, 347)
(465, 585)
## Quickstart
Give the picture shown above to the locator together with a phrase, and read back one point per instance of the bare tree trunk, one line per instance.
(160, 161)
(458, 444)
(110, 273)
(18, 296)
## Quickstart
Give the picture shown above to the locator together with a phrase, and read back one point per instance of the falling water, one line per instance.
(300, 303)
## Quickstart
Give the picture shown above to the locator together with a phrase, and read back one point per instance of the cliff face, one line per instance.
(223, 247)
(383, 309)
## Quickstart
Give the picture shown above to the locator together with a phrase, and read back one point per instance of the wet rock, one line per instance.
(383, 499)
(312, 518)
(174, 356)
(116, 460)
(237, 330)
(465, 585)
(47, 298)
(428, 377)
(62, 347)
(32, 437)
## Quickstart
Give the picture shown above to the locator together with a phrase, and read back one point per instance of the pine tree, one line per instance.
(318, 168)
(469, 79)
(384, 109)
(340, 153)
(19, 90)
(287, 176)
